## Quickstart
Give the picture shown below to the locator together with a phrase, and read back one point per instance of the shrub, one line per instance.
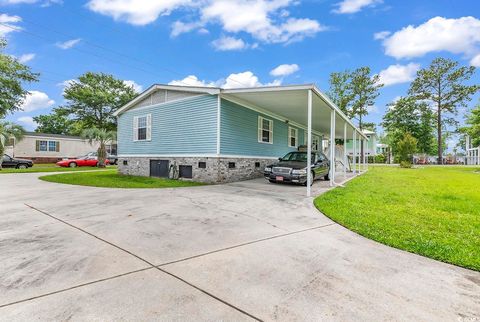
(407, 147)
(406, 164)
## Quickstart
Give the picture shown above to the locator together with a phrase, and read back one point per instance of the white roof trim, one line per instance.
(268, 89)
(153, 88)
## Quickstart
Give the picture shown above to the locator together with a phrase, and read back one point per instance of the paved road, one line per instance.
(243, 251)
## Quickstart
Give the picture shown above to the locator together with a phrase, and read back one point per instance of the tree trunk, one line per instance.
(439, 135)
(2, 151)
(101, 153)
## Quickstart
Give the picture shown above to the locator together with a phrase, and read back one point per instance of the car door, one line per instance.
(8, 162)
(322, 164)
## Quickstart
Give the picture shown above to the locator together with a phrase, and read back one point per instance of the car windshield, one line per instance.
(295, 156)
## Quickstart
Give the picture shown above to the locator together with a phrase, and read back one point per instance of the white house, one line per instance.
(44, 148)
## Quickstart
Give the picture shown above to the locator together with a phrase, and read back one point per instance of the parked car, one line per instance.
(293, 168)
(85, 161)
(113, 159)
(9, 162)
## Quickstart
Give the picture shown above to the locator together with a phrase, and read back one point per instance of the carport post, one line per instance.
(309, 143)
(345, 149)
(354, 151)
(332, 147)
(359, 153)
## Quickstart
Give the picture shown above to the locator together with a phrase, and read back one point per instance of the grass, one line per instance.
(430, 211)
(50, 167)
(111, 179)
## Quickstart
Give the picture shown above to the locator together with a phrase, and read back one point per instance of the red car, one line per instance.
(86, 161)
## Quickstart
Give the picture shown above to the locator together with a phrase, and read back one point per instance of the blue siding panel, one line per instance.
(188, 126)
(239, 133)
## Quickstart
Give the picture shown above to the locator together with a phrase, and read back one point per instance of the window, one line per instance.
(257, 164)
(265, 130)
(52, 146)
(292, 137)
(142, 128)
(202, 165)
(41, 145)
(231, 165)
(315, 143)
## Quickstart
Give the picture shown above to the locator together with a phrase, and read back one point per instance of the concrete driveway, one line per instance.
(242, 251)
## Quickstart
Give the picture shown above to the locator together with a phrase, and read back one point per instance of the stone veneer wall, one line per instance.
(217, 168)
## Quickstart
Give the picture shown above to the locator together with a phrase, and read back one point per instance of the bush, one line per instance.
(380, 158)
(406, 164)
(407, 147)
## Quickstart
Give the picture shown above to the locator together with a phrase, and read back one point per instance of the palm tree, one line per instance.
(101, 136)
(9, 130)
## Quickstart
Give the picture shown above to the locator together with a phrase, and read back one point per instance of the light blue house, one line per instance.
(220, 135)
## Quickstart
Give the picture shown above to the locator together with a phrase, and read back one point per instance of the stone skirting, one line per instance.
(217, 169)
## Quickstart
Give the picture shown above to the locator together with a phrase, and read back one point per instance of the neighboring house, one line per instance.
(45, 148)
(370, 147)
(220, 135)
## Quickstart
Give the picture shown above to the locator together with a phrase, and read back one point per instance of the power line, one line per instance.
(95, 45)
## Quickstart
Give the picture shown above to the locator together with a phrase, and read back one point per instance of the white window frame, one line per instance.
(290, 137)
(315, 138)
(260, 130)
(148, 127)
(54, 146)
(40, 146)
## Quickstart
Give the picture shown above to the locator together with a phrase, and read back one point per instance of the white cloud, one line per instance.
(68, 44)
(457, 36)
(284, 70)
(238, 80)
(25, 58)
(136, 87)
(27, 122)
(137, 12)
(475, 61)
(396, 74)
(229, 43)
(36, 100)
(381, 35)
(192, 80)
(8, 24)
(352, 6)
(265, 20)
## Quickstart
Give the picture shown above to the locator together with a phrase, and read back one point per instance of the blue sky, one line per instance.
(235, 43)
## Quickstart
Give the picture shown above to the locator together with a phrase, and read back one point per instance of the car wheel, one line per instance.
(72, 165)
(272, 181)
(22, 166)
(312, 178)
(327, 177)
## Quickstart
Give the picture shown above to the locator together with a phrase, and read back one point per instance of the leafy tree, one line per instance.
(443, 84)
(9, 130)
(12, 75)
(93, 99)
(473, 126)
(407, 147)
(366, 89)
(406, 115)
(57, 122)
(370, 126)
(340, 90)
(103, 137)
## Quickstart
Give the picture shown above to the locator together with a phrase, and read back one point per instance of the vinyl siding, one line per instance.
(239, 133)
(188, 126)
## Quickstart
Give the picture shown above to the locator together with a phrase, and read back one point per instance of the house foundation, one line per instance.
(200, 169)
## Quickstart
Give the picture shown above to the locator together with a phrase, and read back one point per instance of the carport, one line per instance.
(306, 105)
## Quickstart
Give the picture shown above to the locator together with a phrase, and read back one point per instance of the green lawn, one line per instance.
(50, 167)
(431, 211)
(111, 179)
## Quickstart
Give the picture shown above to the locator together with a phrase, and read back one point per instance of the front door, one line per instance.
(159, 168)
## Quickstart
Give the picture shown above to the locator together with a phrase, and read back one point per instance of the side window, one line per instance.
(292, 137)
(142, 128)
(265, 130)
(41, 145)
(53, 146)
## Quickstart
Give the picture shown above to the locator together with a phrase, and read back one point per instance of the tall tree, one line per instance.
(443, 83)
(102, 137)
(340, 91)
(406, 115)
(57, 122)
(94, 97)
(366, 89)
(9, 130)
(12, 75)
